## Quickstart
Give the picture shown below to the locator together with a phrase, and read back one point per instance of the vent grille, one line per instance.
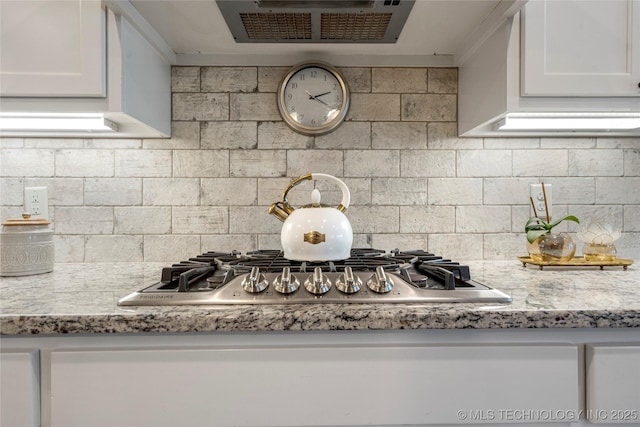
(277, 26)
(315, 21)
(354, 27)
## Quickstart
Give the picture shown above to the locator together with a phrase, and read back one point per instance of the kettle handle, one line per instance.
(346, 195)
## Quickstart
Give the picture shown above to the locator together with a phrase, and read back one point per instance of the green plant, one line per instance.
(537, 227)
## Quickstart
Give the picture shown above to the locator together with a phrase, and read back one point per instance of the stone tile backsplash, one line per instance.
(414, 183)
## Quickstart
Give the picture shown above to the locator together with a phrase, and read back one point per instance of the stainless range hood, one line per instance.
(315, 21)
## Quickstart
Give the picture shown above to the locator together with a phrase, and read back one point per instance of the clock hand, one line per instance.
(319, 100)
(326, 93)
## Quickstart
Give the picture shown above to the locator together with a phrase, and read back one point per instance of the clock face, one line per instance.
(313, 98)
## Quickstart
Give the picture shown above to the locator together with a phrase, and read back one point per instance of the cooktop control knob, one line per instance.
(347, 282)
(286, 283)
(317, 283)
(255, 282)
(380, 282)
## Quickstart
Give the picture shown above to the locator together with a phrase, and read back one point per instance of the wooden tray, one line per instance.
(23, 222)
(578, 261)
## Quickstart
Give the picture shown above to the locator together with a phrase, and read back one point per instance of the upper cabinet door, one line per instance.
(581, 48)
(52, 48)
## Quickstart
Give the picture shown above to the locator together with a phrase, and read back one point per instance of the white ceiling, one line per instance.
(434, 33)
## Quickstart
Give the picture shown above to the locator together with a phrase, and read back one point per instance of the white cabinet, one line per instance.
(490, 87)
(581, 48)
(52, 48)
(106, 60)
(321, 385)
(613, 383)
(333, 378)
(19, 388)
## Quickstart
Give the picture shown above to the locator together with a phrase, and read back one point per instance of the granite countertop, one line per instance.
(81, 298)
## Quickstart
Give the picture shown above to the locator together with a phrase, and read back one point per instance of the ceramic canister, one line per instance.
(26, 247)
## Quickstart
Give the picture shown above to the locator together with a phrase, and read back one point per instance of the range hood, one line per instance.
(315, 21)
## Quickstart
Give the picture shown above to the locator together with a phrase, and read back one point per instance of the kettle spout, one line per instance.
(280, 211)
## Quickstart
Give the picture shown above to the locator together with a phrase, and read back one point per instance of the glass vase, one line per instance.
(534, 249)
(599, 252)
(557, 248)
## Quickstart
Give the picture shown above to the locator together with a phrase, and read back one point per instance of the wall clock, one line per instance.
(313, 98)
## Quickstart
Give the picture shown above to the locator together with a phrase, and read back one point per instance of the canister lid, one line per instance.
(25, 220)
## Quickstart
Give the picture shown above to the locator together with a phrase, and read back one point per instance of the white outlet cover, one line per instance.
(535, 191)
(36, 202)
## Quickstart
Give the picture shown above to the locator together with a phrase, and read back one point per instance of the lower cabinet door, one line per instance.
(313, 386)
(613, 384)
(19, 389)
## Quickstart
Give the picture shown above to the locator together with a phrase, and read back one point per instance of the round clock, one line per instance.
(313, 98)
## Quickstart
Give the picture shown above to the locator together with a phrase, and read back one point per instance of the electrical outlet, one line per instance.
(36, 202)
(538, 200)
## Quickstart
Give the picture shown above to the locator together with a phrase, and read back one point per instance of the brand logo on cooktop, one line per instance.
(156, 296)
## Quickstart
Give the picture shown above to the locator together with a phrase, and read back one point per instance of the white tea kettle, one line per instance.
(315, 232)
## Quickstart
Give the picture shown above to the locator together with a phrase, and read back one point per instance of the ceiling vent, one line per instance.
(315, 21)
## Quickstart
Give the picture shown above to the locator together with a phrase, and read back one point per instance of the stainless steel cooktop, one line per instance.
(369, 276)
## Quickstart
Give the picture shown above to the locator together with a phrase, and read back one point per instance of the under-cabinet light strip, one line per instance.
(569, 121)
(56, 122)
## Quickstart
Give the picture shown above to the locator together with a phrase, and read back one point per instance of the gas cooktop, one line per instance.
(369, 276)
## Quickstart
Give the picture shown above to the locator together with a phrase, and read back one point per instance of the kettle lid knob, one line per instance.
(315, 197)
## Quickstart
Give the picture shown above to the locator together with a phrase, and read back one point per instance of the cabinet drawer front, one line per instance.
(328, 386)
(613, 383)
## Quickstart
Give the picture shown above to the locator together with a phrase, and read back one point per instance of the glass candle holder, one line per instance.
(599, 252)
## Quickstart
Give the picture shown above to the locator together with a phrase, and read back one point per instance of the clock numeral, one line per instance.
(289, 96)
(313, 121)
(300, 118)
(293, 109)
(294, 85)
(301, 76)
(314, 74)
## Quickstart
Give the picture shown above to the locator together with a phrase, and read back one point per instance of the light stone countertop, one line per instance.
(81, 299)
